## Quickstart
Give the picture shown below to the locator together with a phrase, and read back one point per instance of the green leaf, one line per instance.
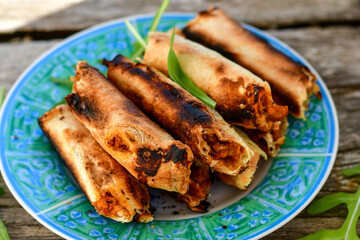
(325, 235)
(351, 171)
(138, 46)
(178, 75)
(62, 81)
(2, 95)
(328, 202)
(352, 201)
(2, 191)
(3, 232)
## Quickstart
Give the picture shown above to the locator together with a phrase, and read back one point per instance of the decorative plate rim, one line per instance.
(336, 128)
(63, 42)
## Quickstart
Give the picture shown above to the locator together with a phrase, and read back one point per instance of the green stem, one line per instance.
(136, 34)
(164, 5)
(2, 95)
(62, 81)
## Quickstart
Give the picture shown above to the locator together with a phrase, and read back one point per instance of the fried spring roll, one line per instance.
(201, 181)
(292, 82)
(241, 97)
(211, 139)
(244, 178)
(110, 188)
(148, 152)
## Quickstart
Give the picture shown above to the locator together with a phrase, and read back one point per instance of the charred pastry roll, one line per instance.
(290, 81)
(199, 188)
(241, 97)
(110, 188)
(211, 139)
(244, 178)
(149, 153)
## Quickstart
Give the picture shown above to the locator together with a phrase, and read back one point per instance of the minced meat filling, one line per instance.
(108, 205)
(116, 142)
(200, 182)
(222, 150)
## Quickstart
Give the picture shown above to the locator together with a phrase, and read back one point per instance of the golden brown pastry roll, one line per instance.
(291, 81)
(211, 139)
(244, 178)
(110, 188)
(241, 97)
(201, 181)
(148, 152)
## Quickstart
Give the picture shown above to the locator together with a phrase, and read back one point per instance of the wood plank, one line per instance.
(331, 51)
(17, 56)
(308, 225)
(72, 15)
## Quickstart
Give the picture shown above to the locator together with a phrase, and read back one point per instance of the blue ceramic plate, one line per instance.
(42, 184)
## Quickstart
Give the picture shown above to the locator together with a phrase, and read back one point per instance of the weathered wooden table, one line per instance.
(325, 32)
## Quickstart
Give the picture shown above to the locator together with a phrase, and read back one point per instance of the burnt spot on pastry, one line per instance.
(203, 40)
(193, 114)
(131, 108)
(176, 154)
(148, 162)
(265, 43)
(141, 73)
(220, 68)
(208, 11)
(189, 111)
(118, 60)
(169, 92)
(237, 115)
(82, 106)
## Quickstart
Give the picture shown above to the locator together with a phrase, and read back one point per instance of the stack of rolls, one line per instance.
(136, 128)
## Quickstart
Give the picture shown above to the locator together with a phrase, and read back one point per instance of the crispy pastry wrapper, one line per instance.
(110, 188)
(271, 141)
(149, 153)
(290, 81)
(241, 97)
(244, 178)
(211, 139)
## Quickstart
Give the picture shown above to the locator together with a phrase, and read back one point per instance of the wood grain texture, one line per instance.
(72, 15)
(333, 51)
